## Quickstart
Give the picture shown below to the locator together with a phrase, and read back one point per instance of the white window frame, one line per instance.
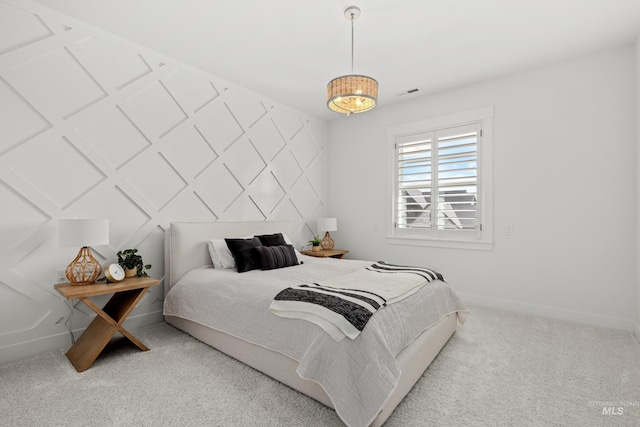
(482, 239)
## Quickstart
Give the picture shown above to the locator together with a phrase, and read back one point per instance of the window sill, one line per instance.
(440, 243)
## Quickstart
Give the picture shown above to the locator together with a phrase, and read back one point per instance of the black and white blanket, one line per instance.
(343, 305)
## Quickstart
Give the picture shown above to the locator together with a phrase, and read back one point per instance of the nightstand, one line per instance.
(331, 253)
(109, 319)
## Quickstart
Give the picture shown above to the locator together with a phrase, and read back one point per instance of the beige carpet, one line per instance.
(499, 369)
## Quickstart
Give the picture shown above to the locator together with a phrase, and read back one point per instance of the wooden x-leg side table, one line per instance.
(109, 319)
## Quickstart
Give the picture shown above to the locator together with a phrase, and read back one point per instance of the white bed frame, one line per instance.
(186, 249)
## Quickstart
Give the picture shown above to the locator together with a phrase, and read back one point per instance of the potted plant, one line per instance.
(315, 243)
(132, 263)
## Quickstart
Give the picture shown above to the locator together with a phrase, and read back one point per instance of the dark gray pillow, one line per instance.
(276, 239)
(270, 257)
(241, 249)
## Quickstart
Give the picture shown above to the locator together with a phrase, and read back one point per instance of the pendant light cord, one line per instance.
(351, 42)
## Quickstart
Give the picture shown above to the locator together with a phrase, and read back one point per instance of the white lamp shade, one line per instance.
(327, 224)
(84, 232)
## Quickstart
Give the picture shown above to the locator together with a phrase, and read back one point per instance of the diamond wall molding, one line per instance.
(96, 126)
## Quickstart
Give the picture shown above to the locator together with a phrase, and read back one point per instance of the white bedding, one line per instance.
(342, 305)
(358, 375)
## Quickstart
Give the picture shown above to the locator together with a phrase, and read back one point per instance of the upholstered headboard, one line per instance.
(185, 243)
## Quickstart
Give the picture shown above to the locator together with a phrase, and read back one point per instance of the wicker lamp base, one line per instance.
(84, 269)
(327, 242)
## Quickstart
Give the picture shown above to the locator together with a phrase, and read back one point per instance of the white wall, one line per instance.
(637, 70)
(94, 126)
(564, 179)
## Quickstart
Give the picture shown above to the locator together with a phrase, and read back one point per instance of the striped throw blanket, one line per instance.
(343, 305)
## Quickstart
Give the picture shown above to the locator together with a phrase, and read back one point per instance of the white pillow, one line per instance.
(220, 254)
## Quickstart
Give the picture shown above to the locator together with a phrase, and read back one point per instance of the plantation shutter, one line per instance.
(437, 180)
(458, 178)
(414, 156)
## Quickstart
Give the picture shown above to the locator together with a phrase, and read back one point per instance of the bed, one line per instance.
(362, 379)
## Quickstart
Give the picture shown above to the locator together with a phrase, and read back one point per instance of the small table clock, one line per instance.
(114, 273)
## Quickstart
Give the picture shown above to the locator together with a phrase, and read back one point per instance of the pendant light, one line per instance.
(353, 93)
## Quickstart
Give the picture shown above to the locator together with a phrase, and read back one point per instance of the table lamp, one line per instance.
(84, 269)
(327, 225)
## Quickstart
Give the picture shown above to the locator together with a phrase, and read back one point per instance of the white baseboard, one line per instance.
(637, 331)
(618, 323)
(63, 340)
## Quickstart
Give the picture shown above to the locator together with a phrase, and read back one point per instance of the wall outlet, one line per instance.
(60, 277)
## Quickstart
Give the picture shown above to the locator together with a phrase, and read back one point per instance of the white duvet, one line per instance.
(358, 375)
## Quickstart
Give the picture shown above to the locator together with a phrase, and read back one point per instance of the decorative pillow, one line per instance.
(241, 249)
(289, 242)
(276, 239)
(220, 254)
(271, 257)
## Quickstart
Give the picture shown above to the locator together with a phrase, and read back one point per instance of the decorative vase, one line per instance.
(130, 272)
(315, 248)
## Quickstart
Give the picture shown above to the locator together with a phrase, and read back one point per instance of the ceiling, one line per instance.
(289, 50)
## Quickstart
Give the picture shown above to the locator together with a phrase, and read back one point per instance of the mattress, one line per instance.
(357, 375)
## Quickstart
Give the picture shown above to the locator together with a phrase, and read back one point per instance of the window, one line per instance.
(441, 181)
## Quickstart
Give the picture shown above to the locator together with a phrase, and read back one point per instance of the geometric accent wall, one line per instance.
(93, 126)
